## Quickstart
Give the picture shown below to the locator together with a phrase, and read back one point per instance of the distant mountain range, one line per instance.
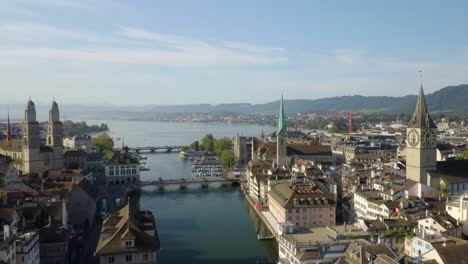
(451, 100)
(448, 100)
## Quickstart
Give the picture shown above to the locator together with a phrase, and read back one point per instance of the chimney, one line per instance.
(427, 213)
(6, 232)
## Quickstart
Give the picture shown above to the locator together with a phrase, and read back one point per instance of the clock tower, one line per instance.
(421, 154)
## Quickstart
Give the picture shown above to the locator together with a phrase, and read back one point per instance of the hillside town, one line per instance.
(387, 193)
(391, 193)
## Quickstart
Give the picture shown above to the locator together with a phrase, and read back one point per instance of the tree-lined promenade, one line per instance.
(222, 147)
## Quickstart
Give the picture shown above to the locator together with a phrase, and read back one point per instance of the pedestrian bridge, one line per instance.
(152, 149)
(202, 182)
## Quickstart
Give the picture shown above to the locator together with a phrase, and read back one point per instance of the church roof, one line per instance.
(421, 117)
(11, 145)
(282, 128)
(125, 224)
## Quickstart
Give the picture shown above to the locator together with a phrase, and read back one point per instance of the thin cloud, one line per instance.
(251, 48)
(177, 51)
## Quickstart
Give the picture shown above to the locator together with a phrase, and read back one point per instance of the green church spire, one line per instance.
(282, 128)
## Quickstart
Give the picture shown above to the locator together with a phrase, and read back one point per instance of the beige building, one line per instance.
(128, 236)
(301, 205)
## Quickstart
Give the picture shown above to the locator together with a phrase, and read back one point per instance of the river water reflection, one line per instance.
(195, 226)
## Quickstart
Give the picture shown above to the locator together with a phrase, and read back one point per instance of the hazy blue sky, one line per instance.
(178, 52)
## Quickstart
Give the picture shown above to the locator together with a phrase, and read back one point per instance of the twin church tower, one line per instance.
(34, 156)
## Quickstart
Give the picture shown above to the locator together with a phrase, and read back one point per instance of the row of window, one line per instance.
(123, 167)
(123, 172)
(128, 258)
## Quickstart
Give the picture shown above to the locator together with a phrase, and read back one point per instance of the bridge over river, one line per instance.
(155, 148)
(203, 182)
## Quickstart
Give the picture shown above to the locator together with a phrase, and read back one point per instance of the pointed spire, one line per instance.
(421, 117)
(54, 113)
(282, 128)
(8, 132)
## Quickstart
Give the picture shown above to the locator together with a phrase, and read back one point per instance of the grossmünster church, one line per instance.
(29, 154)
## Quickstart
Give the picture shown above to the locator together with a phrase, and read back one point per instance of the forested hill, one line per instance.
(448, 100)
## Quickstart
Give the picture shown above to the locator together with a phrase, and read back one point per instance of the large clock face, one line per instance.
(413, 137)
(428, 139)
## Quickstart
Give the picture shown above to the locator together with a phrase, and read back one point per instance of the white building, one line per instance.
(122, 168)
(317, 246)
(76, 142)
(458, 209)
(370, 205)
(27, 248)
(8, 249)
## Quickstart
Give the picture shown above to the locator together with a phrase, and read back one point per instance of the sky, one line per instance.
(192, 52)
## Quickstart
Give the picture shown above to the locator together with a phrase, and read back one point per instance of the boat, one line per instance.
(144, 167)
(263, 237)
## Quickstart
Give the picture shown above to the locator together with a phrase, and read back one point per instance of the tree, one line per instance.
(103, 143)
(207, 138)
(209, 146)
(227, 158)
(195, 145)
(207, 143)
(222, 144)
(462, 156)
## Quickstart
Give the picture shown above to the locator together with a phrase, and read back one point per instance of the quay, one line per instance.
(270, 224)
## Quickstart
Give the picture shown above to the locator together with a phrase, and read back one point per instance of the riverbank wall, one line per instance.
(259, 213)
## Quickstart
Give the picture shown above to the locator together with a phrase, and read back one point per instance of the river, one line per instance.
(195, 226)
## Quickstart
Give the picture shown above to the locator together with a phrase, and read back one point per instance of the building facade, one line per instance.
(27, 248)
(301, 206)
(122, 168)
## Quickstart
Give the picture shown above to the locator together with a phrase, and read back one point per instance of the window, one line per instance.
(128, 258)
(111, 259)
(145, 256)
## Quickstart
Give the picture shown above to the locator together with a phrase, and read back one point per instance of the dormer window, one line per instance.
(128, 243)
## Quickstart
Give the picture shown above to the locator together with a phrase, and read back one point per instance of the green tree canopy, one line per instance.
(462, 156)
(227, 158)
(195, 145)
(207, 138)
(222, 144)
(103, 143)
